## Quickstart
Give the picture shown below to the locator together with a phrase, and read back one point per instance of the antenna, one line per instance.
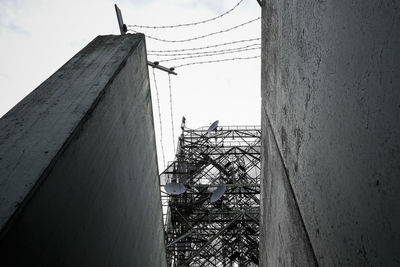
(183, 123)
(175, 188)
(213, 126)
(218, 193)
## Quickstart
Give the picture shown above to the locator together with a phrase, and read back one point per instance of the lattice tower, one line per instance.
(200, 232)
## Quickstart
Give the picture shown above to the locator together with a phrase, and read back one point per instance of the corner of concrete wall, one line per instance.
(284, 240)
(331, 133)
(79, 180)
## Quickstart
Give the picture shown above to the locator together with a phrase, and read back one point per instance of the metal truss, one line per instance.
(199, 232)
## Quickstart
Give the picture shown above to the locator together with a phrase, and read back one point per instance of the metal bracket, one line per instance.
(156, 65)
(123, 29)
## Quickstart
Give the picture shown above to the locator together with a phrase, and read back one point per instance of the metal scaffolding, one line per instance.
(215, 222)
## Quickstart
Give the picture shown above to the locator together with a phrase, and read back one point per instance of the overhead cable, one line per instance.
(204, 47)
(198, 37)
(210, 54)
(172, 114)
(186, 24)
(159, 117)
(214, 61)
(203, 52)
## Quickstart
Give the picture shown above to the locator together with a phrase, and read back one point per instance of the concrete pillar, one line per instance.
(331, 133)
(78, 168)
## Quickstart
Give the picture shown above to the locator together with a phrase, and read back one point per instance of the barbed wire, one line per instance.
(204, 47)
(172, 114)
(159, 117)
(198, 37)
(209, 55)
(185, 24)
(215, 61)
(203, 52)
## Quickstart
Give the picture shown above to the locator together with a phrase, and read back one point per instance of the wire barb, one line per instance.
(159, 116)
(204, 47)
(186, 24)
(210, 54)
(198, 37)
(203, 52)
(218, 60)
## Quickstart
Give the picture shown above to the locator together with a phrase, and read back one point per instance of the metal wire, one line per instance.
(172, 116)
(218, 60)
(186, 24)
(198, 37)
(203, 52)
(209, 54)
(159, 117)
(204, 47)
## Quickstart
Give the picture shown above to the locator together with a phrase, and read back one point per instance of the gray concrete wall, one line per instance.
(78, 165)
(331, 124)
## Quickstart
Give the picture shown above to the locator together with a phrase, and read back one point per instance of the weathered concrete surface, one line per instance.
(330, 87)
(285, 242)
(78, 165)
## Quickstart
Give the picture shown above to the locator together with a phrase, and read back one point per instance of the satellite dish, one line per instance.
(218, 193)
(213, 126)
(212, 189)
(175, 189)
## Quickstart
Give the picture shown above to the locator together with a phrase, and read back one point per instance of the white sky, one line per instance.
(38, 36)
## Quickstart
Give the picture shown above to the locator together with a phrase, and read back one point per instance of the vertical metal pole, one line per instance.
(122, 26)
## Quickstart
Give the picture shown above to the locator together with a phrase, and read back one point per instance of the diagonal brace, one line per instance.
(197, 252)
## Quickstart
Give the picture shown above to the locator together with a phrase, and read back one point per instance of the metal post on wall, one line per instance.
(123, 29)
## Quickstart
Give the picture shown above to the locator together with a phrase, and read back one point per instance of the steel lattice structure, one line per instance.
(225, 232)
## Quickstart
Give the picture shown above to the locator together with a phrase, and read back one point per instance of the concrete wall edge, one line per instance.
(4, 229)
(270, 128)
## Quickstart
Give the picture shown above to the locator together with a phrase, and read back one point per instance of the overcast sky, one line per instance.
(38, 36)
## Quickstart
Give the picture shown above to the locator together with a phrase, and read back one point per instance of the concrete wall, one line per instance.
(78, 165)
(331, 133)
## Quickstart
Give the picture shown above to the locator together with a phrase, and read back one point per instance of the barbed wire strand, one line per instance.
(204, 47)
(159, 117)
(186, 24)
(203, 52)
(209, 55)
(198, 37)
(215, 61)
(172, 114)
